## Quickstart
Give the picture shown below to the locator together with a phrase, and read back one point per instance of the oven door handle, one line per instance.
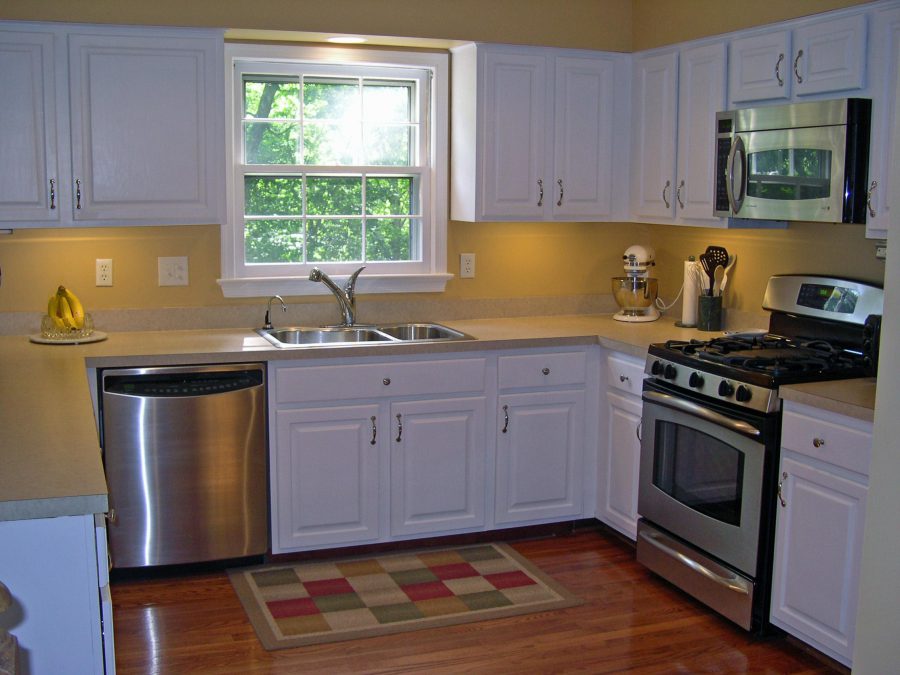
(670, 401)
(734, 583)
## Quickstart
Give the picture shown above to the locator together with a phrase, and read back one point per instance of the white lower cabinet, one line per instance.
(367, 451)
(55, 570)
(823, 484)
(541, 437)
(621, 445)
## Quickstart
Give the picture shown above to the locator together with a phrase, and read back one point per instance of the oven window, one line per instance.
(699, 470)
(789, 174)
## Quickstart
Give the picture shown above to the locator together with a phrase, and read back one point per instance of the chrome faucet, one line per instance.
(346, 296)
(268, 324)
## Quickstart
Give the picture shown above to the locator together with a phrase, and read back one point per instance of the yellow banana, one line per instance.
(52, 311)
(65, 312)
(74, 305)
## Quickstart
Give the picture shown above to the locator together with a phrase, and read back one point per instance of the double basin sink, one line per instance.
(335, 335)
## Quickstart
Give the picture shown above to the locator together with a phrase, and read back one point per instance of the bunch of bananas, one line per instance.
(65, 309)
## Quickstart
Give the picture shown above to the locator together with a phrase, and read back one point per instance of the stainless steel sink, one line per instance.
(349, 335)
(422, 331)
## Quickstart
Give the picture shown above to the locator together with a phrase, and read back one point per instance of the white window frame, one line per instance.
(431, 275)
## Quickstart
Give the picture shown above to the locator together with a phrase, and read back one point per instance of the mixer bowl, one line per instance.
(635, 294)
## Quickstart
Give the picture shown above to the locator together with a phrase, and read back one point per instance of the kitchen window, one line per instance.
(337, 160)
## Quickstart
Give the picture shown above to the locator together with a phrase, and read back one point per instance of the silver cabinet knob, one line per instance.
(818, 442)
(545, 371)
(386, 381)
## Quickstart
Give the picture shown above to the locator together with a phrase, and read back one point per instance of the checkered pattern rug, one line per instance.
(291, 605)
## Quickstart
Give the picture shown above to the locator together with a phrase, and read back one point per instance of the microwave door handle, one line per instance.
(702, 412)
(738, 153)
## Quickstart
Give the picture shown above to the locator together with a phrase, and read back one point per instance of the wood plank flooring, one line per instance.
(630, 621)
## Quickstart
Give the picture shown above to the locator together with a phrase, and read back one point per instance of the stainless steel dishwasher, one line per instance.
(184, 450)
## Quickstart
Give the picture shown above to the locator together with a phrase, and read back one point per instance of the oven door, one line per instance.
(702, 475)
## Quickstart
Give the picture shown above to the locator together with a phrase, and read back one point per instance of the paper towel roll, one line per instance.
(689, 296)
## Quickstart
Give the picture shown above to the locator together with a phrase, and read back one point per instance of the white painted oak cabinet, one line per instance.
(823, 484)
(620, 445)
(675, 97)
(110, 125)
(372, 450)
(537, 133)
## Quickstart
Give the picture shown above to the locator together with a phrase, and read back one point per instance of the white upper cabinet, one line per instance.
(883, 153)
(817, 57)
(676, 96)
(535, 133)
(111, 126)
(29, 177)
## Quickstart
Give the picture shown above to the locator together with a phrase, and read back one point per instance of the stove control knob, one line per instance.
(656, 368)
(670, 373)
(695, 381)
(726, 388)
(743, 394)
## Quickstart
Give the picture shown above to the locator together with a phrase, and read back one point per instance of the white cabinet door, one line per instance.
(145, 134)
(817, 57)
(701, 94)
(437, 464)
(830, 56)
(325, 476)
(29, 177)
(818, 545)
(583, 139)
(539, 456)
(654, 115)
(619, 472)
(884, 160)
(514, 95)
(759, 67)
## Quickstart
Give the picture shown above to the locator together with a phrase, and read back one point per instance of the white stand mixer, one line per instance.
(636, 292)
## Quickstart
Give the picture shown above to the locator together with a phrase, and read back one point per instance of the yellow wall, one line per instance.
(513, 259)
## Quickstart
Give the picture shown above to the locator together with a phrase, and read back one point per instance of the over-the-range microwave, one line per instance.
(804, 161)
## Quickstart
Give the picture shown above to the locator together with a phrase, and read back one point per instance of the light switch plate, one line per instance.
(173, 271)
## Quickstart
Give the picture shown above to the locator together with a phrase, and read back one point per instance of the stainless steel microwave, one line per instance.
(804, 161)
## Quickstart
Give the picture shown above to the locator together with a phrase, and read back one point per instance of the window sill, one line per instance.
(264, 287)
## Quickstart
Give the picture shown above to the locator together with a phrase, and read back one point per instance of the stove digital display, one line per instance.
(828, 298)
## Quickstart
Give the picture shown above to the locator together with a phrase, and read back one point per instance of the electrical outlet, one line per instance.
(173, 271)
(103, 272)
(881, 251)
(466, 265)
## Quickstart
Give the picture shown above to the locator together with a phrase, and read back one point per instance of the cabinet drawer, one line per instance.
(624, 374)
(837, 444)
(544, 369)
(367, 380)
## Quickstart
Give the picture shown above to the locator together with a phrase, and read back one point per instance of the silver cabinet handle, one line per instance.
(778, 70)
(540, 192)
(872, 187)
(781, 488)
(796, 68)
(399, 427)
(374, 430)
(665, 190)
(545, 371)
(559, 182)
(77, 193)
(52, 194)
(678, 194)
(818, 442)
(505, 419)
(638, 430)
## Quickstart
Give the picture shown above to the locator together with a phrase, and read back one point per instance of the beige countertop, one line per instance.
(50, 455)
(854, 398)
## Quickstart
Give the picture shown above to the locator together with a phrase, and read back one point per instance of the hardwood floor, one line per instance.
(630, 621)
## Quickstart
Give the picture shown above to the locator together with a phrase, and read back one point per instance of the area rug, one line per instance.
(296, 604)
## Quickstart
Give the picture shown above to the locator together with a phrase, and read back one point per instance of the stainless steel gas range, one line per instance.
(710, 442)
